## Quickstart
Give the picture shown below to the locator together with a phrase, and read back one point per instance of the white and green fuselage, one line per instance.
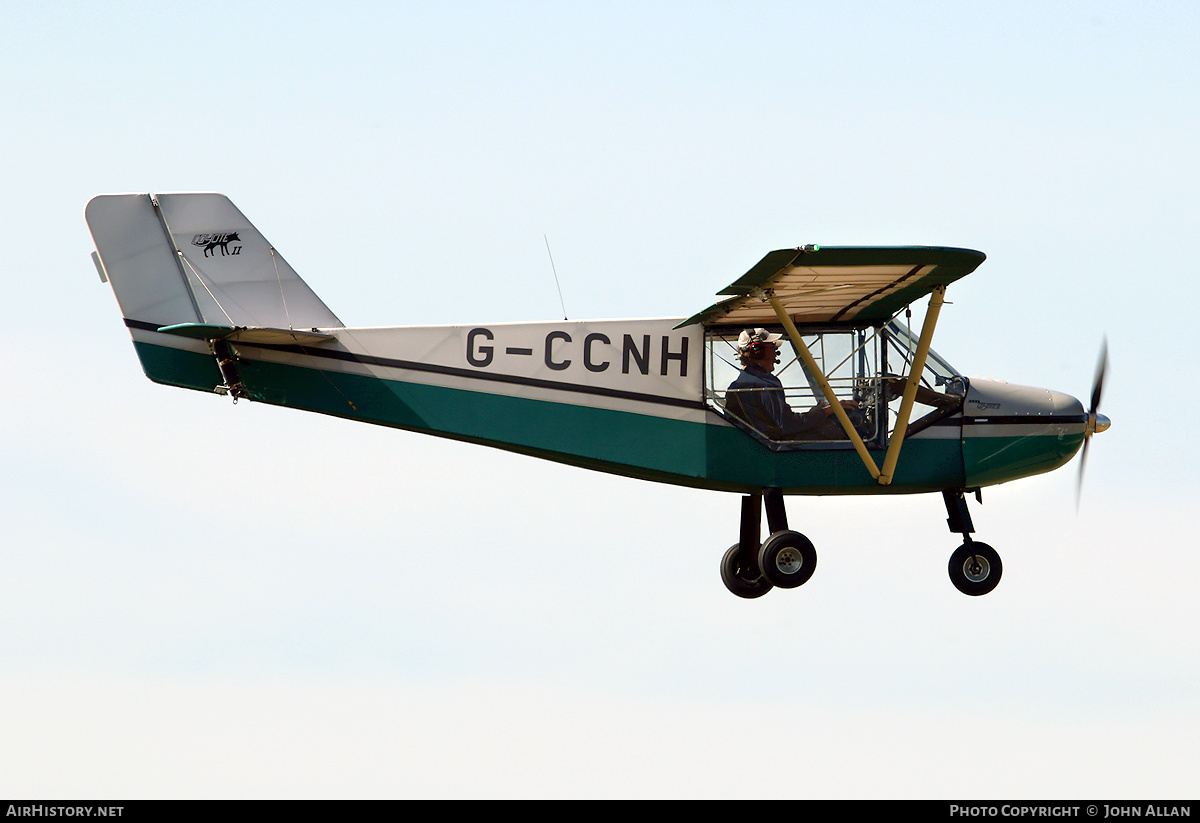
(198, 286)
(625, 397)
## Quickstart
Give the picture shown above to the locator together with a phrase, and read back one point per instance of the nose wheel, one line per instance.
(975, 568)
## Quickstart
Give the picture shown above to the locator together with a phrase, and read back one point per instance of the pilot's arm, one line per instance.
(925, 395)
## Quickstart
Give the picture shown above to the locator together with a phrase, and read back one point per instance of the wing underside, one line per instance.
(837, 284)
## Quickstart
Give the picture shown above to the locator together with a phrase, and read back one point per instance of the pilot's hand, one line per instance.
(849, 405)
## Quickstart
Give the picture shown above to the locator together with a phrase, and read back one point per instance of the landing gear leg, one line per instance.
(776, 513)
(975, 568)
(787, 559)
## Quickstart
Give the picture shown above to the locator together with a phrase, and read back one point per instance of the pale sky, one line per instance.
(209, 600)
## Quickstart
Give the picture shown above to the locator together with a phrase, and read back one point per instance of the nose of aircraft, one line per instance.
(989, 398)
(1061, 403)
(1012, 431)
(1065, 404)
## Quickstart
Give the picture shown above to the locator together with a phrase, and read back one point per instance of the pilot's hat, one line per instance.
(748, 338)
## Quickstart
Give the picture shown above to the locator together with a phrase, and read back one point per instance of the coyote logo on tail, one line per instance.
(211, 242)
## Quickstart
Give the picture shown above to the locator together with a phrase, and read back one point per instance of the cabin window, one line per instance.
(849, 359)
(865, 367)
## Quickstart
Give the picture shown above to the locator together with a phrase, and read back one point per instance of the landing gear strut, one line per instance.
(786, 559)
(975, 568)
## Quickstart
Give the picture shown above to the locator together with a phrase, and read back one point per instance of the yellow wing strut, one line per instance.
(884, 477)
(910, 388)
(834, 403)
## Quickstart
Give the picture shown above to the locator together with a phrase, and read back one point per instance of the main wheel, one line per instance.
(747, 583)
(787, 559)
(975, 568)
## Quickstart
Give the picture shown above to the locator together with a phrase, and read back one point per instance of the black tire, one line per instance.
(975, 568)
(787, 559)
(747, 583)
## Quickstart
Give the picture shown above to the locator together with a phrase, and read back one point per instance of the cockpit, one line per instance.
(866, 367)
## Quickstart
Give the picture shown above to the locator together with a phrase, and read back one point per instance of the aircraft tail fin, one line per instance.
(193, 267)
(195, 258)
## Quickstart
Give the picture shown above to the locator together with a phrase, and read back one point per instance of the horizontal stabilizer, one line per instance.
(247, 334)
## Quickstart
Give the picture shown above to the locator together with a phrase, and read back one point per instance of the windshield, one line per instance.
(902, 343)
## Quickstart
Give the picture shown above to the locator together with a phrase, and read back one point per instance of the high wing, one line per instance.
(838, 284)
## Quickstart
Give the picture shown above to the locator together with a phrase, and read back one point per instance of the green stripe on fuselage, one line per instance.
(177, 367)
(712, 456)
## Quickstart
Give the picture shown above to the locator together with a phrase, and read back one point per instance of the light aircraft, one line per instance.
(212, 306)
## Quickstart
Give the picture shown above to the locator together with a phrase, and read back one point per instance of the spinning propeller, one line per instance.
(1096, 422)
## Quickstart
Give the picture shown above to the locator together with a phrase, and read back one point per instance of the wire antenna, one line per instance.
(556, 283)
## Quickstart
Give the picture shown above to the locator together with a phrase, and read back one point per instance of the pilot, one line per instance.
(756, 396)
